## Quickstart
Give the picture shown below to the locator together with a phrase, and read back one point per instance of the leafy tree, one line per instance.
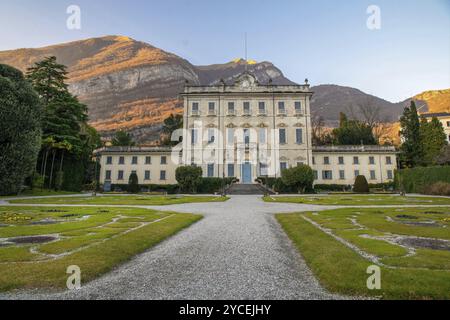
(301, 177)
(133, 183)
(20, 127)
(171, 124)
(444, 156)
(412, 147)
(353, 132)
(361, 185)
(189, 178)
(433, 136)
(66, 135)
(123, 139)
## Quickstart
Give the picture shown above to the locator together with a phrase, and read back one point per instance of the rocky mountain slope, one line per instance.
(133, 86)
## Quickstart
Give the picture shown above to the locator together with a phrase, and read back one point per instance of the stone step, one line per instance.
(247, 189)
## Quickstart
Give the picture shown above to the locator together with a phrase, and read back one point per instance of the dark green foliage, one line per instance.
(412, 146)
(438, 189)
(20, 129)
(444, 156)
(353, 132)
(171, 124)
(361, 185)
(432, 135)
(189, 178)
(277, 185)
(300, 178)
(68, 141)
(415, 180)
(332, 187)
(133, 183)
(164, 188)
(123, 139)
(213, 185)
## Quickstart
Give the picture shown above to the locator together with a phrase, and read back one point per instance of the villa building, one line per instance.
(247, 130)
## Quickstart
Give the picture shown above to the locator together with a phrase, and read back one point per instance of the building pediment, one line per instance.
(246, 125)
(246, 81)
(231, 126)
(282, 125)
(298, 125)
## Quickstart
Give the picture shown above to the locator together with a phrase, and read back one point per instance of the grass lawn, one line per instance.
(38, 244)
(411, 267)
(124, 200)
(40, 193)
(360, 200)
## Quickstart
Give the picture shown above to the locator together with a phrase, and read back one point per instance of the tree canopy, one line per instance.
(123, 139)
(20, 127)
(301, 178)
(412, 146)
(432, 136)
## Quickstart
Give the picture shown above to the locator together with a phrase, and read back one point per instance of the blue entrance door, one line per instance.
(247, 173)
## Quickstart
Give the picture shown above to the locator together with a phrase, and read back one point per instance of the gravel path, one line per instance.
(238, 251)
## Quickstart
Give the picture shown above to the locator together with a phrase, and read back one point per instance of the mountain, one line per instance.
(134, 86)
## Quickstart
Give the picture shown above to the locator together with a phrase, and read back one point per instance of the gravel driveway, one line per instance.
(238, 251)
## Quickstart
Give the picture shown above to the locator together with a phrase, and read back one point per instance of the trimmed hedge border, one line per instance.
(416, 180)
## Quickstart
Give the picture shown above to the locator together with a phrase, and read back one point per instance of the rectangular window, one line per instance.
(134, 160)
(230, 107)
(282, 136)
(262, 108)
(121, 160)
(211, 135)
(299, 136)
(246, 136)
(373, 175)
(162, 175)
(109, 160)
(230, 134)
(327, 175)
(356, 173)
(390, 175)
(283, 166)
(212, 108)
(313, 160)
(341, 174)
(263, 170)
(341, 160)
(163, 160)
(388, 160)
(148, 160)
(371, 160)
(210, 170)
(147, 175)
(298, 107)
(108, 175)
(281, 107)
(326, 160)
(231, 170)
(262, 136)
(316, 175)
(355, 160)
(120, 175)
(194, 136)
(195, 108)
(448, 123)
(247, 108)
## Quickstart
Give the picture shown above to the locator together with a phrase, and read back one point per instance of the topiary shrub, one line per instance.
(20, 129)
(133, 183)
(189, 178)
(300, 178)
(361, 185)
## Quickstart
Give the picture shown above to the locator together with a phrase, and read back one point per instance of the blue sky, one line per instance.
(326, 41)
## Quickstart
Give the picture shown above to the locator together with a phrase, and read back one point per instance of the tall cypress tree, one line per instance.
(412, 148)
(434, 139)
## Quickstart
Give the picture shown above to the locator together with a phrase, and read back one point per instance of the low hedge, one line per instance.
(168, 188)
(417, 180)
(332, 187)
(213, 185)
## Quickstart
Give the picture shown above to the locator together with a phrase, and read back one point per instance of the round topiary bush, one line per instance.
(361, 185)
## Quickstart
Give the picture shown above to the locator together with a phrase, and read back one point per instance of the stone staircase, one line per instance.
(247, 189)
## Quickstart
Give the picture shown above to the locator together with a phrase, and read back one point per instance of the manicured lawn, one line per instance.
(40, 193)
(411, 267)
(360, 200)
(124, 200)
(94, 239)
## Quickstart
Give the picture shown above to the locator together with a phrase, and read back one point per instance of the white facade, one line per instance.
(247, 130)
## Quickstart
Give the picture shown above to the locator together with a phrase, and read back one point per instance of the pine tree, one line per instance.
(123, 139)
(412, 147)
(432, 135)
